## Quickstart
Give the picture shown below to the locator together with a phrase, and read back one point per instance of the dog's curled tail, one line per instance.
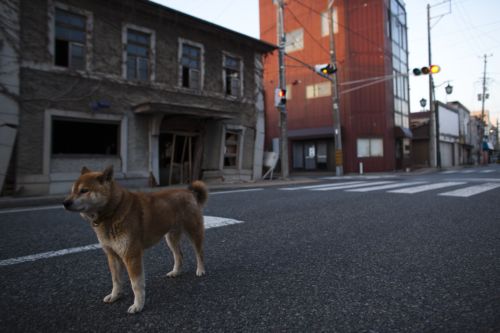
(200, 191)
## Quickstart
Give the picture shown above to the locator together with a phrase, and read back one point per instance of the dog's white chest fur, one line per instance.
(119, 244)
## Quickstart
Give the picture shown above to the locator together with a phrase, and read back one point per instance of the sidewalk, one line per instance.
(56, 199)
(295, 179)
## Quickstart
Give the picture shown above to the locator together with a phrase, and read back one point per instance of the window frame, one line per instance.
(239, 92)
(240, 131)
(87, 46)
(151, 52)
(294, 40)
(201, 70)
(372, 144)
(325, 31)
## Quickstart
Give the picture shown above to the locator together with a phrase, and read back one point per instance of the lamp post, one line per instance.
(423, 103)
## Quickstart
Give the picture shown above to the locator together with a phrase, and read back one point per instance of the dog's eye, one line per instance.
(84, 190)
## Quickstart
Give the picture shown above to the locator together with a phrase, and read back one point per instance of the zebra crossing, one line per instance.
(461, 189)
(467, 171)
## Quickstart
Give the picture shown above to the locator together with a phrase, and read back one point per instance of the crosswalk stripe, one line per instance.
(449, 172)
(310, 187)
(471, 190)
(468, 171)
(384, 187)
(428, 187)
(487, 171)
(340, 187)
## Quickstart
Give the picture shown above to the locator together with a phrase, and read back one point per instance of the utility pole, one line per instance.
(282, 85)
(434, 151)
(339, 165)
(434, 142)
(483, 99)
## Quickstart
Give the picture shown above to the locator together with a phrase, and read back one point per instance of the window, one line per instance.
(70, 40)
(319, 90)
(138, 55)
(231, 152)
(232, 76)
(191, 66)
(294, 40)
(370, 148)
(78, 137)
(324, 23)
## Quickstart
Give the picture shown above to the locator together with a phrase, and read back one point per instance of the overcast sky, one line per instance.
(461, 36)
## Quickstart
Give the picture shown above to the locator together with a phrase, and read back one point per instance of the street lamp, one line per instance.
(449, 89)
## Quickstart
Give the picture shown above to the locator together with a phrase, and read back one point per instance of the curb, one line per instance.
(23, 202)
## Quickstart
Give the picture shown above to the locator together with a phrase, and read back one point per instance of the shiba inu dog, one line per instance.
(126, 223)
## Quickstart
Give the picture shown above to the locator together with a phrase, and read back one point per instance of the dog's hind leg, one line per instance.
(196, 235)
(173, 239)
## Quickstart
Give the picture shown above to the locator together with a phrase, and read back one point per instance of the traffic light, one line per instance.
(325, 69)
(279, 97)
(432, 69)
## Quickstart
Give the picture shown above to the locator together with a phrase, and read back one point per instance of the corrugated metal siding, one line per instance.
(366, 112)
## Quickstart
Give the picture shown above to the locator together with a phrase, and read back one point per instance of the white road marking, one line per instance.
(487, 171)
(30, 209)
(340, 187)
(209, 221)
(310, 187)
(422, 188)
(471, 190)
(449, 172)
(237, 191)
(34, 209)
(384, 187)
(468, 171)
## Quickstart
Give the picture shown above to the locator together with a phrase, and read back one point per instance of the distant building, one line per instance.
(162, 96)
(372, 61)
(457, 135)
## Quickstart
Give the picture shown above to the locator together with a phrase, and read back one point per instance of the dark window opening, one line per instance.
(70, 40)
(78, 137)
(62, 51)
(231, 149)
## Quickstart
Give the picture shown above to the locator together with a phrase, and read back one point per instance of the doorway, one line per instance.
(179, 162)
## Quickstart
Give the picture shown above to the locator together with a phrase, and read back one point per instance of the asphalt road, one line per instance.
(339, 259)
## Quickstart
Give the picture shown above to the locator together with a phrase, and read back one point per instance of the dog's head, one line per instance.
(91, 191)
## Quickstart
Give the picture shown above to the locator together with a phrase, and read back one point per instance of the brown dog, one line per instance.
(127, 223)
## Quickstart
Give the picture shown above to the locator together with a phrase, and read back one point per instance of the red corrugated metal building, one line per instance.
(372, 60)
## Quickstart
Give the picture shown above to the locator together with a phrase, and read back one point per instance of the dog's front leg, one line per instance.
(116, 268)
(136, 274)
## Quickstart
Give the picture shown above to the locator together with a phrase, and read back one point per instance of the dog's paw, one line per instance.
(111, 298)
(173, 274)
(200, 272)
(135, 308)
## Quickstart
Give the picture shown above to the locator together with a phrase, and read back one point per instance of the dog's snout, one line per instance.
(67, 203)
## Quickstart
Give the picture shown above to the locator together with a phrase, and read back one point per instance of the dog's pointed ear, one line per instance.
(107, 174)
(84, 170)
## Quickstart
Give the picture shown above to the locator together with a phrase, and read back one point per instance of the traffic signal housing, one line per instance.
(432, 69)
(279, 97)
(325, 69)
